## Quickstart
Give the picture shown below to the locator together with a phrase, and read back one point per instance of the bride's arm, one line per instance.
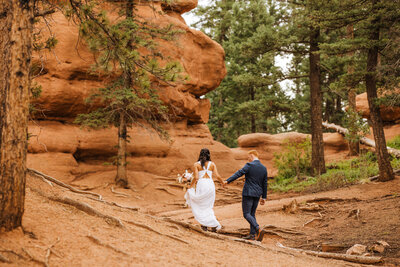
(217, 174)
(196, 175)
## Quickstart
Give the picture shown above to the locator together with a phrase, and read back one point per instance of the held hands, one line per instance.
(262, 201)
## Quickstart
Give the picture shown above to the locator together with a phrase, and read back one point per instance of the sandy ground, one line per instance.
(57, 234)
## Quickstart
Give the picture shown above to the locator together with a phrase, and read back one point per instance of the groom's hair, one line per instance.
(253, 152)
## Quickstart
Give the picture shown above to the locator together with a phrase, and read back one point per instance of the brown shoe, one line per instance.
(260, 235)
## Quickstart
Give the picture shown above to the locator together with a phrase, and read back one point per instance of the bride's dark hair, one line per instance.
(204, 156)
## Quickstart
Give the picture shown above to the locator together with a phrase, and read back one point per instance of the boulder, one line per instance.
(269, 144)
(390, 114)
(179, 6)
(147, 151)
(357, 249)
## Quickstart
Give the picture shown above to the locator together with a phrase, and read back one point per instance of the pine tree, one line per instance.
(131, 99)
(16, 20)
(372, 21)
(249, 99)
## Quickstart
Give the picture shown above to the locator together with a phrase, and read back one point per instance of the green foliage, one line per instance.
(249, 99)
(395, 142)
(339, 174)
(294, 160)
(357, 127)
(35, 90)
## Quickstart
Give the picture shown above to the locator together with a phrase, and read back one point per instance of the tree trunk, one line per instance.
(16, 20)
(253, 117)
(385, 169)
(122, 179)
(354, 146)
(317, 156)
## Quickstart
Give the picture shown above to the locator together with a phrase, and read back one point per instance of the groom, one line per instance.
(255, 186)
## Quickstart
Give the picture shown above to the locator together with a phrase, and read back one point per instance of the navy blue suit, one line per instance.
(255, 186)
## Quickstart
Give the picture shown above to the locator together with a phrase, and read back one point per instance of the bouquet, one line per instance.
(185, 178)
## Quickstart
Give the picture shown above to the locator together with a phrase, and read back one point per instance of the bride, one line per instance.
(201, 198)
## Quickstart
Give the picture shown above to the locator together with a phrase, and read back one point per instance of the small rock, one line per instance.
(357, 249)
(383, 243)
(378, 248)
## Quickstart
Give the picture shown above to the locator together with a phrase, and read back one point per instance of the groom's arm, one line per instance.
(265, 186)
(239, 173)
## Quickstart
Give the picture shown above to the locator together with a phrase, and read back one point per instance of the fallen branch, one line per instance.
(155, 231)
(363, 140)
(87, 209)
(98, 242)
(57, 182)
(337, 256)
(34, 259)
(376, 177)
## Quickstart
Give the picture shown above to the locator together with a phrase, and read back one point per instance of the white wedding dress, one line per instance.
(202, 199)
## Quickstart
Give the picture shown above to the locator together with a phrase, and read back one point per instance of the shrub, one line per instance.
(395, 142)
(295, 160)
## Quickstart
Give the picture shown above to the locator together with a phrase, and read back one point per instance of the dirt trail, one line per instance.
(169, 245)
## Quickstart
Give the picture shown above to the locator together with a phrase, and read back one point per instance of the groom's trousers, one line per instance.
(249, 207)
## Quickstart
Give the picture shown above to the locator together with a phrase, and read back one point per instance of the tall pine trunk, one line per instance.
(385, 169)
(122, 179)
(16, 19)
(354, 146)
(317, 156)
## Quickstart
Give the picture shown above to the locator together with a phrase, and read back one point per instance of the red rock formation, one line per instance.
(267, 145)
(390, 114)
(67, 81)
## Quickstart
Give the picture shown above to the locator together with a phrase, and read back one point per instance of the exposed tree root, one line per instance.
(13, 252)
(212, 235)
(87, 209)
(282, 230)
(252, 243)
(111, 203)
(100, 243)
(328, 199)
(4, 259)
(49, 251)
(57, 182)
(118, 193)
(337, 256)
(155, 231)
(34, 259)
(165, 190)
(99, 197)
